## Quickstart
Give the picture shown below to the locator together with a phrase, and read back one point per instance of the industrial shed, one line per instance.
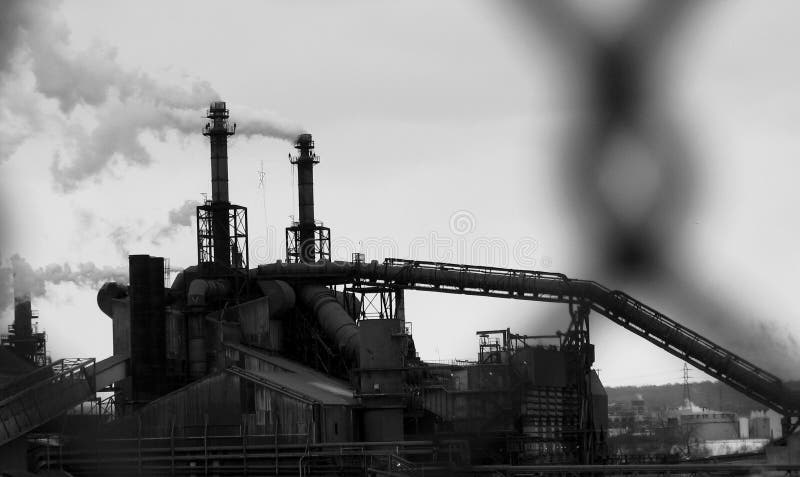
(260, 395)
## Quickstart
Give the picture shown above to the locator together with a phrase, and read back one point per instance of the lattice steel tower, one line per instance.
(221, 226)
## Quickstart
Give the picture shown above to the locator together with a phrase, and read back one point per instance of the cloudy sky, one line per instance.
(444, 131)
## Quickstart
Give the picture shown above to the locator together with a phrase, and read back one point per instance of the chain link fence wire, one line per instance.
(629, 168)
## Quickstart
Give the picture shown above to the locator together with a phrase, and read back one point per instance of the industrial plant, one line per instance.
(307, 366)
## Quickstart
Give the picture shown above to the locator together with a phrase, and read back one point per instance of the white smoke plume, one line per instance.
(38, 65)
(126, 237)
(251, 122)
(20, 278)
(177, 218)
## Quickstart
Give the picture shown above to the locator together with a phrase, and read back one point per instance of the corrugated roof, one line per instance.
(300, 379)
(325, 391)
(278, 361)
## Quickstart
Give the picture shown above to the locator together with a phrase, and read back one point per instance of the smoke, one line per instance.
(178, 217)
(183, 214)
(126, 237)
(122, 238)
(117, 137)
(20, 278)
(252, 122)
(46, 85)
(25, 281)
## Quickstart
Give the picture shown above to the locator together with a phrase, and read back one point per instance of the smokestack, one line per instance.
(305, 195)
(218, 131)
(23, 328)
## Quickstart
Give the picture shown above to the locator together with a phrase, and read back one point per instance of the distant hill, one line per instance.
(709, 394)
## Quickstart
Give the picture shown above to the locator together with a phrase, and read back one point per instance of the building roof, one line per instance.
(295, 378)
(324, 391)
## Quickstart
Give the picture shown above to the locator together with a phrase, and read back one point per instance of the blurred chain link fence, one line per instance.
(630, 170)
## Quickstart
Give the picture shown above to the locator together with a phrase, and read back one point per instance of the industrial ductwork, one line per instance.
(107, 294)
(335, 321)
(202, 292)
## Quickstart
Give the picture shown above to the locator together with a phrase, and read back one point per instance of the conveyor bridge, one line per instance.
(48, 392)
(617, 306)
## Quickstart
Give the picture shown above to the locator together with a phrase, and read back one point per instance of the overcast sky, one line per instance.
(442, 129)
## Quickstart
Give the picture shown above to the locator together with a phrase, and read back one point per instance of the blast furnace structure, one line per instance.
(308, 365)
(312, 352)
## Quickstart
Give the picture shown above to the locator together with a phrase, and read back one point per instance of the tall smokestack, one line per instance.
(23, 329)
(25, 341)
(218, 131)
(305, 195)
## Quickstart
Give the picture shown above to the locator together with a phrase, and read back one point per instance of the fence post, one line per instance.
(139, 444)
(61, 444)
(205, 445)
(172, 446)
(243, 432)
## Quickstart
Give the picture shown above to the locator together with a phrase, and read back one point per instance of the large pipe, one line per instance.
(335, 321)
(218, 131)
(542, 286)
(305, 195)
(399, 305)
(109, 292)
(200, 294)
(280, 295)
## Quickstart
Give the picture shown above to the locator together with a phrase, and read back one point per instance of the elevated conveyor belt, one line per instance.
(619, 307)
(49, 391)
(58, 387)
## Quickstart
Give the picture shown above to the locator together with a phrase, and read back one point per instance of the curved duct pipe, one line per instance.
(335, 321)
(203, 292)
(280, 296)
(109, 292)
(349, 302)
(553, 287)
(254, 317)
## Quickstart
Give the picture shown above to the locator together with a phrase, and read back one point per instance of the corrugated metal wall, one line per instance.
(272, 411)
(224, 402)
(326, 423)
(215, 397)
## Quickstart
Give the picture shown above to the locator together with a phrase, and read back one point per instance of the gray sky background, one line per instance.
(441, 127)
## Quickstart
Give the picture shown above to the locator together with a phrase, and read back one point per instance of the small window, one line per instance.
(336, 428)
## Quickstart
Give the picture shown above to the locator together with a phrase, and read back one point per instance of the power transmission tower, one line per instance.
(687, 397)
